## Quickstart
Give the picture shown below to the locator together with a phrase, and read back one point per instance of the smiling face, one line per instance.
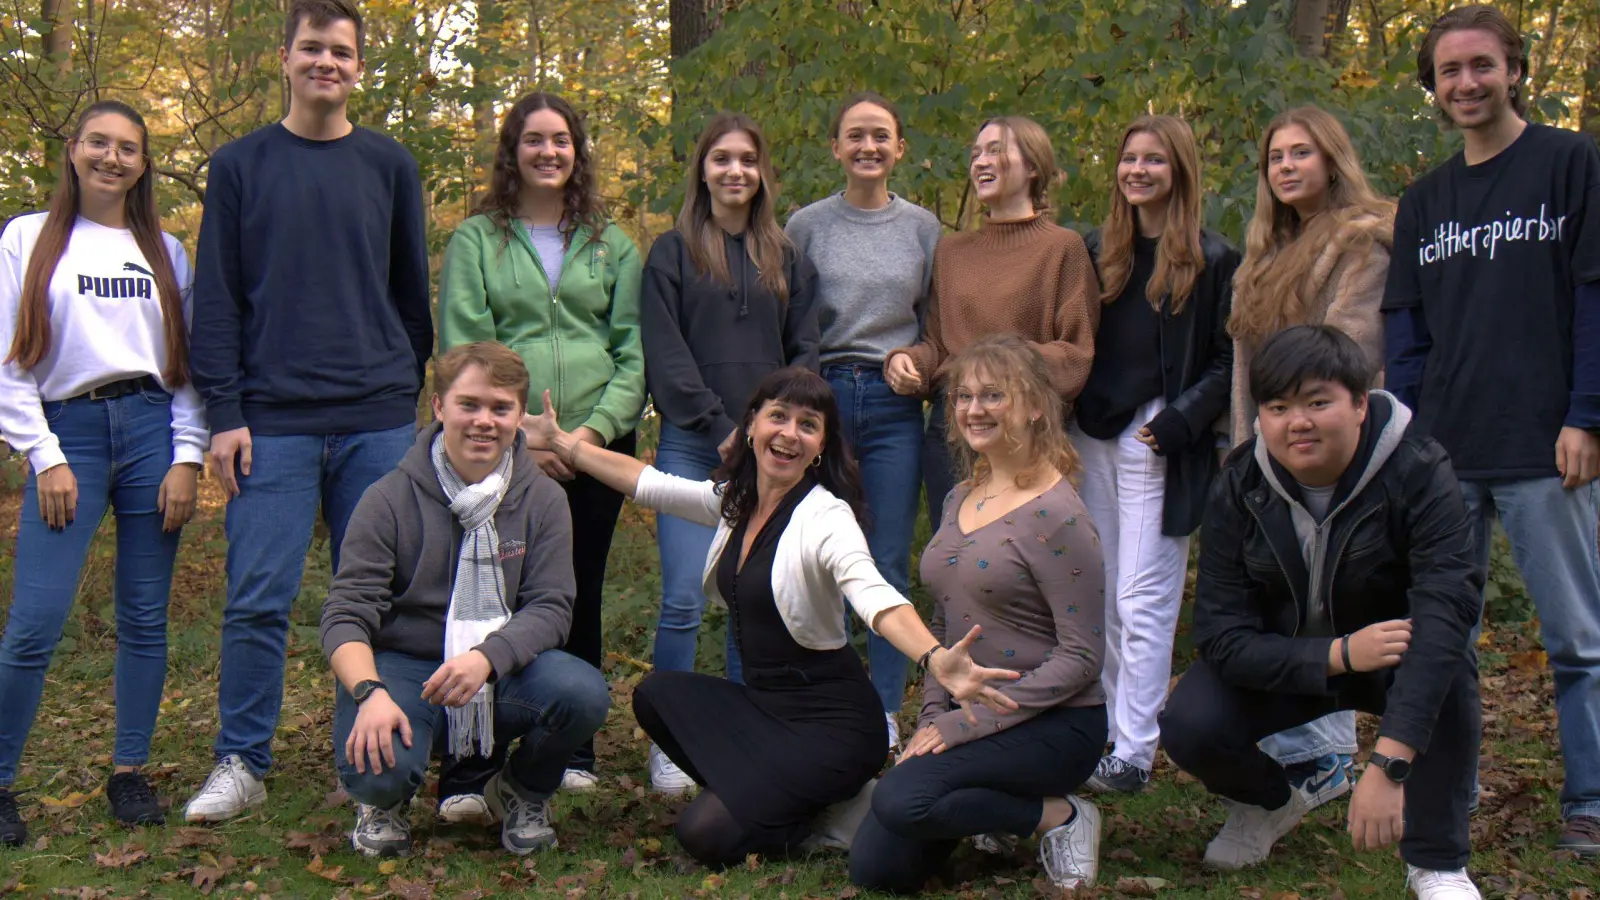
(480, 422)
(1000, 176)
(1144, 171)
(786, 439)
(869, 143)
(322, 63)
(732, 171)
(987, 417)
(1315, 431)
(1473, 78)
(545, 151)
(1297, 170)
(108, 156)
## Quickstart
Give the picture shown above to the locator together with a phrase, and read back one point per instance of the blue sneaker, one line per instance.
(1323, 779)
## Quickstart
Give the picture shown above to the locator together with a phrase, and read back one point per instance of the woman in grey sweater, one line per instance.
(873, 252)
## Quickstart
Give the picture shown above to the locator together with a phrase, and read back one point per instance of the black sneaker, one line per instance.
(132, 800)
(1581, 835)
(12, 832)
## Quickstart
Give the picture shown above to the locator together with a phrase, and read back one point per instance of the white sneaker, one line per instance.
(579, 781)
(836, 826)
(381, 832)
(894, 732)
(1246, 839)
(525, 823)
(466, 809)
(228, 791)
(1430, 884)
(1070, 853)
(666, 777)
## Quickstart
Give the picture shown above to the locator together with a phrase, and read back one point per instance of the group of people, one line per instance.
(1341, 411)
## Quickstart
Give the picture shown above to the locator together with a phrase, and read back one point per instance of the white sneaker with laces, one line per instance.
(579, 781)
(229, 790)
(1433, 884)
(381, 832)
(1248, 836)
(525, 823)
(466, 809)
(1070, 853)
(665, 776)
(894, 732)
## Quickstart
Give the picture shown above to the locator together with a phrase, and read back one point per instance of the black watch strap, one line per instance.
(1396, 770)
(365, 689)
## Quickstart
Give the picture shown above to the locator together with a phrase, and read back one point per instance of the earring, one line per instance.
(749, 441)
(817, 462)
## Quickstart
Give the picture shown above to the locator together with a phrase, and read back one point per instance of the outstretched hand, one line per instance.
(967, 681)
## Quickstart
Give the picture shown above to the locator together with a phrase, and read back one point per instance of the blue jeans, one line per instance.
(553, 705)
(119, 451)
(269, 529)
(683, 546)
(884, 431)
(1333, 733)
(1553, 540)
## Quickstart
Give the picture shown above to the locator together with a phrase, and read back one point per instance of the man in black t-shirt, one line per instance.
(1492, 320)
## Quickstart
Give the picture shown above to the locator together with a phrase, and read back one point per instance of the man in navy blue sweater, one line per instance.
(311, 335)
(1492, 320)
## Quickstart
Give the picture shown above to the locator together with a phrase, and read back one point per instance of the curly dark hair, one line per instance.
(837, 472)
(581, 196)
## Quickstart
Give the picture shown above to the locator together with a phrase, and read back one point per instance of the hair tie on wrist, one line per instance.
(1344, 653)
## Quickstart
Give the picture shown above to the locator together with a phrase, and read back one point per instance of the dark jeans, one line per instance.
(999, 783)
(551, 706)
(594, 509)
(1210, 730)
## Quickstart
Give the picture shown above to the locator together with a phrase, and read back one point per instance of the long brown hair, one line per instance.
(580, 198)
(767, 244)
(1018, 369)
(1270, 289)
(32, 341)
(1179, 258)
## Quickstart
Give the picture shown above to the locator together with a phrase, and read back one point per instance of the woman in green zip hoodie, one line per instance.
(540, 268)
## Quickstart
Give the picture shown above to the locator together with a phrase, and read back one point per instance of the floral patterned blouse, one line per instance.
(1035, 581)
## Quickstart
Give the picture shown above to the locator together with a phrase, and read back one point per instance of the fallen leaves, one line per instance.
(410, 890)
(72, 800)
(121, 857)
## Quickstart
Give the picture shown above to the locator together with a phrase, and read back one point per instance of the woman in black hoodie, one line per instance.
(727, 299)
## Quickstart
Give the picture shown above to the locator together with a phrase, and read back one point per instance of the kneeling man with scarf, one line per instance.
(442, 625)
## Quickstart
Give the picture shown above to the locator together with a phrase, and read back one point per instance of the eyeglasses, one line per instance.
(99, 149)
(986, 399)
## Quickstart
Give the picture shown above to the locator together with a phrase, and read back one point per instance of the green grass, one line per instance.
(618, 843)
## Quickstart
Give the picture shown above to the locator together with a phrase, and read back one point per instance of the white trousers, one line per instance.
(1123, 487)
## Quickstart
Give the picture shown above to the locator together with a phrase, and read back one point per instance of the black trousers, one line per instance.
(995, 784)
(595, 509)
(1210, 730)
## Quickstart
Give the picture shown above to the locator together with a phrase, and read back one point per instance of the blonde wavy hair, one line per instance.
(1179, 258)
(1270, 290)
(1017, 368)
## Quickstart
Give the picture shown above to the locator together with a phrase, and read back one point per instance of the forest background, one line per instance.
(646, 73)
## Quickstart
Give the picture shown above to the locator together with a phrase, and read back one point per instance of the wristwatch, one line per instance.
(1397, 770)
(364, 689)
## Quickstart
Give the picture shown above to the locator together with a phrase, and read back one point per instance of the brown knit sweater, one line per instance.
(1032, 278)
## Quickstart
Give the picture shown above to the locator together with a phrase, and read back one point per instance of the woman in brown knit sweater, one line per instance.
(1015, 552)
(1316, 253)
(1019, 273)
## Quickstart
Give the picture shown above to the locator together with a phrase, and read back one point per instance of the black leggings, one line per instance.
(996, 784)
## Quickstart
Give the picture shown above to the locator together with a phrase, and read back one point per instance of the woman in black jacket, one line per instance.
(1144, 420)
(726, 301)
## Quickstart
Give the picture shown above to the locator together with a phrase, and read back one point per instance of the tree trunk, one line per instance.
(692, 22)
(57, 37)
(1310, 27)
(483, 86)
(1589, 119)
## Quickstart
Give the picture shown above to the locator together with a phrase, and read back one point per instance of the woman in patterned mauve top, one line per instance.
(1015, 552)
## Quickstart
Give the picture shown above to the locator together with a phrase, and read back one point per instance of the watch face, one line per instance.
(1398, 769)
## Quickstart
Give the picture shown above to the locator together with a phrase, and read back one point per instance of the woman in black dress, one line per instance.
(805, 731)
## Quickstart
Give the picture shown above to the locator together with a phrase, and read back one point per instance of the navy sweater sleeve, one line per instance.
(215, 362)
(1406, 343)
(1583, 410)
(408, 265)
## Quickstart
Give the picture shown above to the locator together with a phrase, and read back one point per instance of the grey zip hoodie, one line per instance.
(398, 562)
(1313, 534)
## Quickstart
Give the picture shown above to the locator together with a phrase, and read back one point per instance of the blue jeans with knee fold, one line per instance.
(1553, 540)
(269, 526)
(884, 431)
(683, 546)
(555, 704)
(119, 451)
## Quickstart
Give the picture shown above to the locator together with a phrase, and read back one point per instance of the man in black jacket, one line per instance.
(1337, 571)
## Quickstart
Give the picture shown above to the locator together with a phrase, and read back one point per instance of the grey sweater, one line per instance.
(398, 559)
(873, 269)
